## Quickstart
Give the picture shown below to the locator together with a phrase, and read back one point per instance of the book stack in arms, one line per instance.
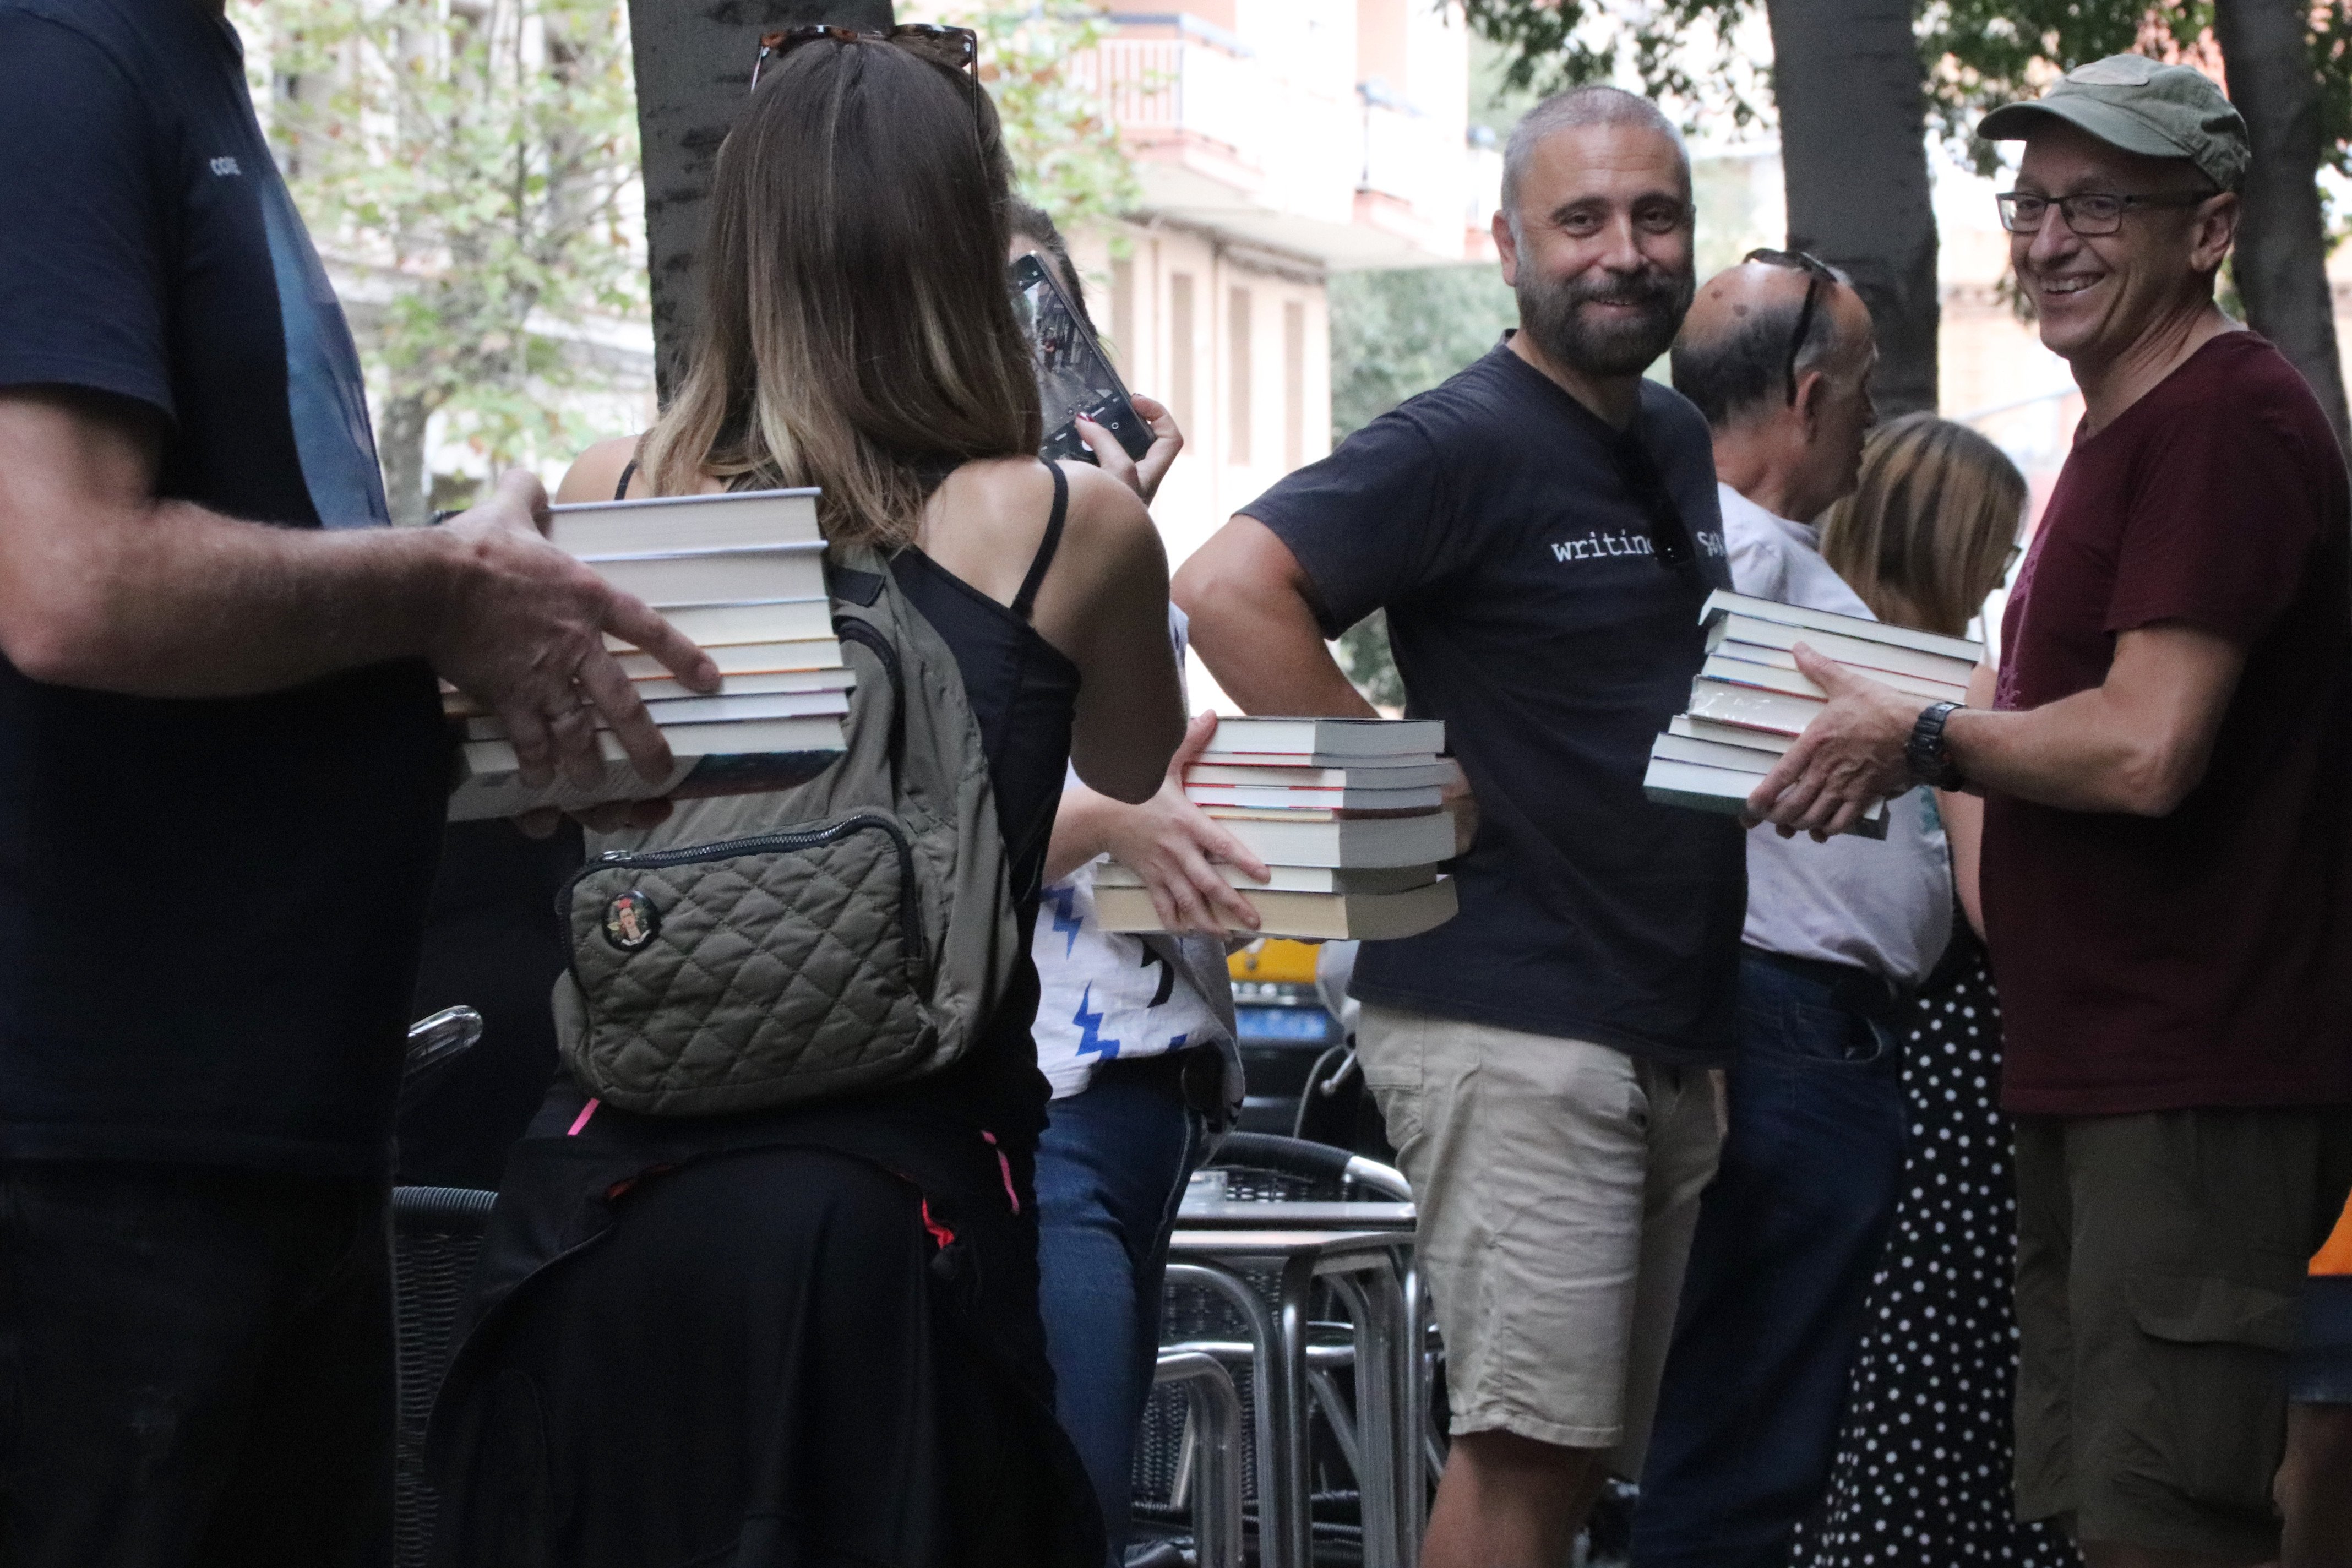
(1345, 814)
(742, 575)
(1751, 701)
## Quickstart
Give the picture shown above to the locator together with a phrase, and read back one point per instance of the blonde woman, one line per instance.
(811, 1335)
(1922, 1470)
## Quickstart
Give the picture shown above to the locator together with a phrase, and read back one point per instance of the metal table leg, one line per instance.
(1216, 1413)
(1278, 1503)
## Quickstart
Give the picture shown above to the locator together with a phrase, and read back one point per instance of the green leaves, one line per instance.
(1065, 150)
(474, 170)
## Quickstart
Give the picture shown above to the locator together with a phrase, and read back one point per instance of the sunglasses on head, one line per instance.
(957, 48)
(1816, 272)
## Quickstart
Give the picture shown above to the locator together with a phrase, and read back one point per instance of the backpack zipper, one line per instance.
(910, 908)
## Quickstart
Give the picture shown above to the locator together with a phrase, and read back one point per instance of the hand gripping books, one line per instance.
(1344, 812)
(742, 574)
(1751, 701)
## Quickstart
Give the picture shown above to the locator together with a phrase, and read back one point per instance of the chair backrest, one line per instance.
(436, 1235)
(1265, 1165)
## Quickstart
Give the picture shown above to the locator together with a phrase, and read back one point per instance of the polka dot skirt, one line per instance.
(1922, 1478)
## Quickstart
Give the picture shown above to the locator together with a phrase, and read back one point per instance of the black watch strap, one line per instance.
(1929, 758)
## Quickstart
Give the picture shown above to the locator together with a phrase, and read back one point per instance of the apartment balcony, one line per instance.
(1290, 154)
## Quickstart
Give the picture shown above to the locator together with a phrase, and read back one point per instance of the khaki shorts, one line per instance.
(2160, 1268)
(1558, 1183)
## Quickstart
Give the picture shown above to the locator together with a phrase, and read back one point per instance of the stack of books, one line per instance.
(1345, 814)
(743, 576)
(1751, 701)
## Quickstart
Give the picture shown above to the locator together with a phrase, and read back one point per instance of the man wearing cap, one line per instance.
(2166, 852)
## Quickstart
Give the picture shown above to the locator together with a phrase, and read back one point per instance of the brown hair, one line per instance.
(857, 332)
(1035, 225)
(1928, 530)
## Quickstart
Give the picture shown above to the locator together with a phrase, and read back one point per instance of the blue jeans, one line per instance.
(1788, 1236)
(1111, 1169)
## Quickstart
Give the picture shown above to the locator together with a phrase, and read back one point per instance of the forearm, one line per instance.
(2079, 753)
(1080, 830)
(181, 602)
(1260, 640)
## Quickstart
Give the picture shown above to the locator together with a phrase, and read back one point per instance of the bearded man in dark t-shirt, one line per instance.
(2167, 861)
(1541, 531)
(223, 772)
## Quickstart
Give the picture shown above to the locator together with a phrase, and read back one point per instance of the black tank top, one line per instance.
(1023, 691)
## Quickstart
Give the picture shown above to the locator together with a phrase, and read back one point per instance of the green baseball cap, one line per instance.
(2141, 106)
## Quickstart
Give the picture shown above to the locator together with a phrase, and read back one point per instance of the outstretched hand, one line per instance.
(1850, 755)
(1175, 847)
(1141, 475)
(524, 636)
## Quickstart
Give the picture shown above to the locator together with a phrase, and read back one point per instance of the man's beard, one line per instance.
(1551, 311)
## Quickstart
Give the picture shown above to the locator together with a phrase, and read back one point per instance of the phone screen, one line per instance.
(1072, 377)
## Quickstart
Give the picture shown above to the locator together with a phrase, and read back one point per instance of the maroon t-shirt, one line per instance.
(2202, 957)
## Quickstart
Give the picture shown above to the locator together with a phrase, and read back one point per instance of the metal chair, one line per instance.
(1209, 1463)
(1275, 1167)
(1234, 1311)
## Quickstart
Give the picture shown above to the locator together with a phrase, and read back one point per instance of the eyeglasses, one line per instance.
(1670, 536)
(2091, 212)
(1816, 272)
(957, 48)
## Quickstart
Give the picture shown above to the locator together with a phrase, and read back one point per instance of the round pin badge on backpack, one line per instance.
(631, 920)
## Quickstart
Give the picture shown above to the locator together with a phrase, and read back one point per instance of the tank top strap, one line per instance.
(1026, 600)
(629, 470)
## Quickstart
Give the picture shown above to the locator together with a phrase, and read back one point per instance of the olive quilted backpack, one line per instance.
(765, 950)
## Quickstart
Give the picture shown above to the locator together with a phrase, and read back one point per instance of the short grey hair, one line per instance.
(1743, 370)
(1588, 105)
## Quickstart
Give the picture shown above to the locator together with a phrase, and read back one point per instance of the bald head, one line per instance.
(1731, 357)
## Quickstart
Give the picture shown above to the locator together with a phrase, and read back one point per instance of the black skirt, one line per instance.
(766, 1343)
(1922, 1478)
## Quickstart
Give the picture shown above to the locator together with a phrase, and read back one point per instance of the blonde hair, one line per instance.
(858, 329)
(1927, 532)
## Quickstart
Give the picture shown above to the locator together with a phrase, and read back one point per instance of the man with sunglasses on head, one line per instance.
(1778, 354)
(2166, 849)
(223, 774)
(1541, 531)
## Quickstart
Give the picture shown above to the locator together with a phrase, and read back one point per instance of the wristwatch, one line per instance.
(1929, 758)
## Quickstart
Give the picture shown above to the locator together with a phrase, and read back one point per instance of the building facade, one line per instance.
(1276, 141)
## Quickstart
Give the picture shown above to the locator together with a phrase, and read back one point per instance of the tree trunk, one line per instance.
(693, 61)
(1852, 94)
(2281, 258)
(399, 447)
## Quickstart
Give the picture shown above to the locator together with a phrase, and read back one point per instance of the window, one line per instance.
(1294, 384)
(1237, 328)
(1180, 348)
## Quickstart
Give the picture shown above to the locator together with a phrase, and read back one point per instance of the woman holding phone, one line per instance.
(811, 1335)
(1135, 1033)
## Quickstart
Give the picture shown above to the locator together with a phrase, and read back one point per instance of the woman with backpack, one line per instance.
(774, 1310)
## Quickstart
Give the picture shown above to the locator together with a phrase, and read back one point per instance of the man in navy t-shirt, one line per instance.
(221, 776)
(1541, 531)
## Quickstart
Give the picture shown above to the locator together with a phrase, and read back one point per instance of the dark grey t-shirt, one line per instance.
(1527, 611)
(210, 909)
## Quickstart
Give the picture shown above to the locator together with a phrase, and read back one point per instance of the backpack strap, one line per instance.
(1026, 600)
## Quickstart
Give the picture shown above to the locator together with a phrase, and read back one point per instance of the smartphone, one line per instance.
(1074, 378)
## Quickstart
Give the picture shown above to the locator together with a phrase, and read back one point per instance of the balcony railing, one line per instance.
(1295, 137)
